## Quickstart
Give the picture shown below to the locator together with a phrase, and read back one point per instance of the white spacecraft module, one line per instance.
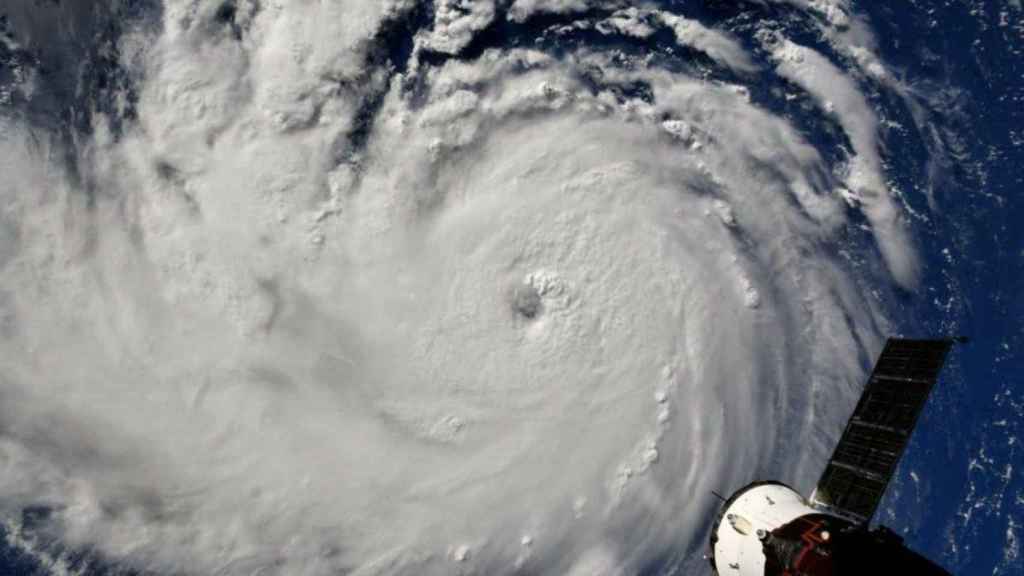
(769, 529)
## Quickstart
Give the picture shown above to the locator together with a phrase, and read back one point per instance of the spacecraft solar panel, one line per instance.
(868, 452)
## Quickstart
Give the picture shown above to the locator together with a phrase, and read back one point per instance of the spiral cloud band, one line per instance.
(374, 287)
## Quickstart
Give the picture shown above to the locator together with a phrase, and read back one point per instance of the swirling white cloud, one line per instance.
(518, 318)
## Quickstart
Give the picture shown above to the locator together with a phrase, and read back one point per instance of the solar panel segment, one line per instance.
(877, 433)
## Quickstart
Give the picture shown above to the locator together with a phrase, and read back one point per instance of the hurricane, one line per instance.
(453, 287)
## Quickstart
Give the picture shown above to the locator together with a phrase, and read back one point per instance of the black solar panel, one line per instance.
(876, 435)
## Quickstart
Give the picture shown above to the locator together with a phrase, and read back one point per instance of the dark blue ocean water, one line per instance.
(959, 494)
(966, 506)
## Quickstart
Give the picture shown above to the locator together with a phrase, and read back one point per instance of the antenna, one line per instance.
(719, 496)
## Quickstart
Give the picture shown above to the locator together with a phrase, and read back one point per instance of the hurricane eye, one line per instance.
(526, 301)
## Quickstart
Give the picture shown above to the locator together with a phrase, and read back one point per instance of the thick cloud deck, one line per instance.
(317, 309)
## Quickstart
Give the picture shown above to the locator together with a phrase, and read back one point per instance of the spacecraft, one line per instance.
(768, 528)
